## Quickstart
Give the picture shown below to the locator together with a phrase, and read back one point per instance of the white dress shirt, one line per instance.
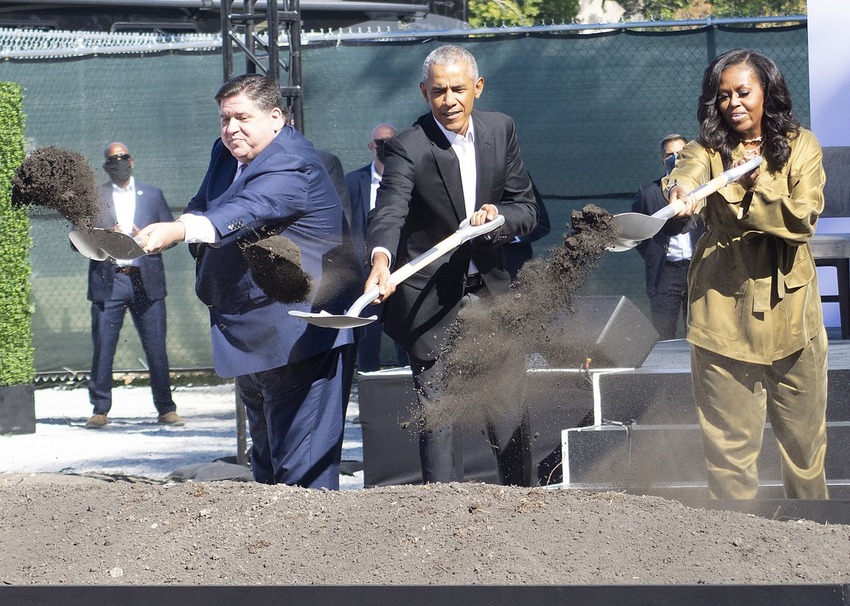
(374, 184)
(464, 148)
(679, 248)
(124, 203)
(198, 229)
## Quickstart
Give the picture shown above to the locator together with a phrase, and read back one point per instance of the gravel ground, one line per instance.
(77, 509)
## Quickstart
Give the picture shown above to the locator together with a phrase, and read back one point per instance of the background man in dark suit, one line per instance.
(363, 188)
(139, 285)
(333, 165)
(667, 255)
(519, 250)
(294, 378)
(451, 165)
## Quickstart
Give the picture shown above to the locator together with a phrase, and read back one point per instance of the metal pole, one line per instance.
(295, 67)
(226, 45)
(242, 457)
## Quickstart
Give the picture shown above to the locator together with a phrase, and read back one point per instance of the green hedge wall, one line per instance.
(16, 350)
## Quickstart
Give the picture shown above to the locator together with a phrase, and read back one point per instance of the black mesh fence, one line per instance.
(591, 111)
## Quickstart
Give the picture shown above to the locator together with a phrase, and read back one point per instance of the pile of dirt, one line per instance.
(227, 533)
(58, 179)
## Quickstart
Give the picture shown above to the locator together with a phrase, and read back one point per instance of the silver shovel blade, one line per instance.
(326, 320)
(94, 243)
(637, 226)
(623, 245)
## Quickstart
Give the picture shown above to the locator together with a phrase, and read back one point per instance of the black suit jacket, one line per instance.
(649, 200)
(519, 251)
(334, 167)
(360, 188)
(420, 202)
(151, 207)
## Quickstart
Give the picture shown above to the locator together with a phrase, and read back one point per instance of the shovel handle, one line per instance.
(464, 233)
(725, 178)
(708, 188)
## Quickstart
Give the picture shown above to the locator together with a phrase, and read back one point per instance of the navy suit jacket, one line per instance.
(420, 202)
(285, 190)
(151, 207)
(649, 200)
(360, 189)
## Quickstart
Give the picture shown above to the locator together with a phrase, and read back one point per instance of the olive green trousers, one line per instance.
(733, 400)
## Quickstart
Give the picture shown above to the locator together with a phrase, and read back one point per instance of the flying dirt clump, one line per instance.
(55, 178)
(275, 263)
(486, 356)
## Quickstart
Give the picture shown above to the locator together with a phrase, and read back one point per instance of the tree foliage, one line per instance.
(699, 9)
(520, 12)
(534, 12)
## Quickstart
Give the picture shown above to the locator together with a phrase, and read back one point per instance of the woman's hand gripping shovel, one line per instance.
(637, 227)
(352, 319)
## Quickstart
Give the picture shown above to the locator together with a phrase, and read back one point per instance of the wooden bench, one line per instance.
(833, 250)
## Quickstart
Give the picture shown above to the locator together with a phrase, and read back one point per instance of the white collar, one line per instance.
(131, 185)
(453, 137)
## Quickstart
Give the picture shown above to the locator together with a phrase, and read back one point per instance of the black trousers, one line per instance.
(670, 299)
(441, 449)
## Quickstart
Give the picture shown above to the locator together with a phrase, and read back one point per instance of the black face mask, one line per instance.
(118, 170)
(380, 150)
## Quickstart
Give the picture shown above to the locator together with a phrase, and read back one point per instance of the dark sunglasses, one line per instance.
(379, 142)
(120, 157)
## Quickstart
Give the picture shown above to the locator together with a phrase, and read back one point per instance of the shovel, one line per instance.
(637, 227)
(101, 244)
(352, 319)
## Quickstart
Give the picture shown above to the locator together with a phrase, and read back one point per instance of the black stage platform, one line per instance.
(413, 595)
(629, 429)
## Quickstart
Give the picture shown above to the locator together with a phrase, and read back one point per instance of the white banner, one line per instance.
(829, 70)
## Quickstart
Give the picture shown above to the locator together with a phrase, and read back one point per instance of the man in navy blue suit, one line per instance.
(363, 189)
(116, 286)
(265, 179)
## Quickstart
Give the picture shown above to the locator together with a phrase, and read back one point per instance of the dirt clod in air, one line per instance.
(486, 358)
(275, 263)
(59, 179)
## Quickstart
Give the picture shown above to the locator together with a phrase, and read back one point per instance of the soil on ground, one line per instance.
(231, 533)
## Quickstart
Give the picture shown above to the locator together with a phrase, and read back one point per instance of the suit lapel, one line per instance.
(447, 164)
(484, 159)
(365, 192)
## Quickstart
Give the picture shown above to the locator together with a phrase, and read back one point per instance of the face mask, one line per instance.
(118, 170)
(670, 162)
(380, 150)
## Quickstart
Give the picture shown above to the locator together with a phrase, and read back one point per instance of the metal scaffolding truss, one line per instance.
(256, 28)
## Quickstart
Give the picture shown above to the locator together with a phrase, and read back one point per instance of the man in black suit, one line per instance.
(453, 164)
(116, 286)
(363, 189)
(667, 255)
